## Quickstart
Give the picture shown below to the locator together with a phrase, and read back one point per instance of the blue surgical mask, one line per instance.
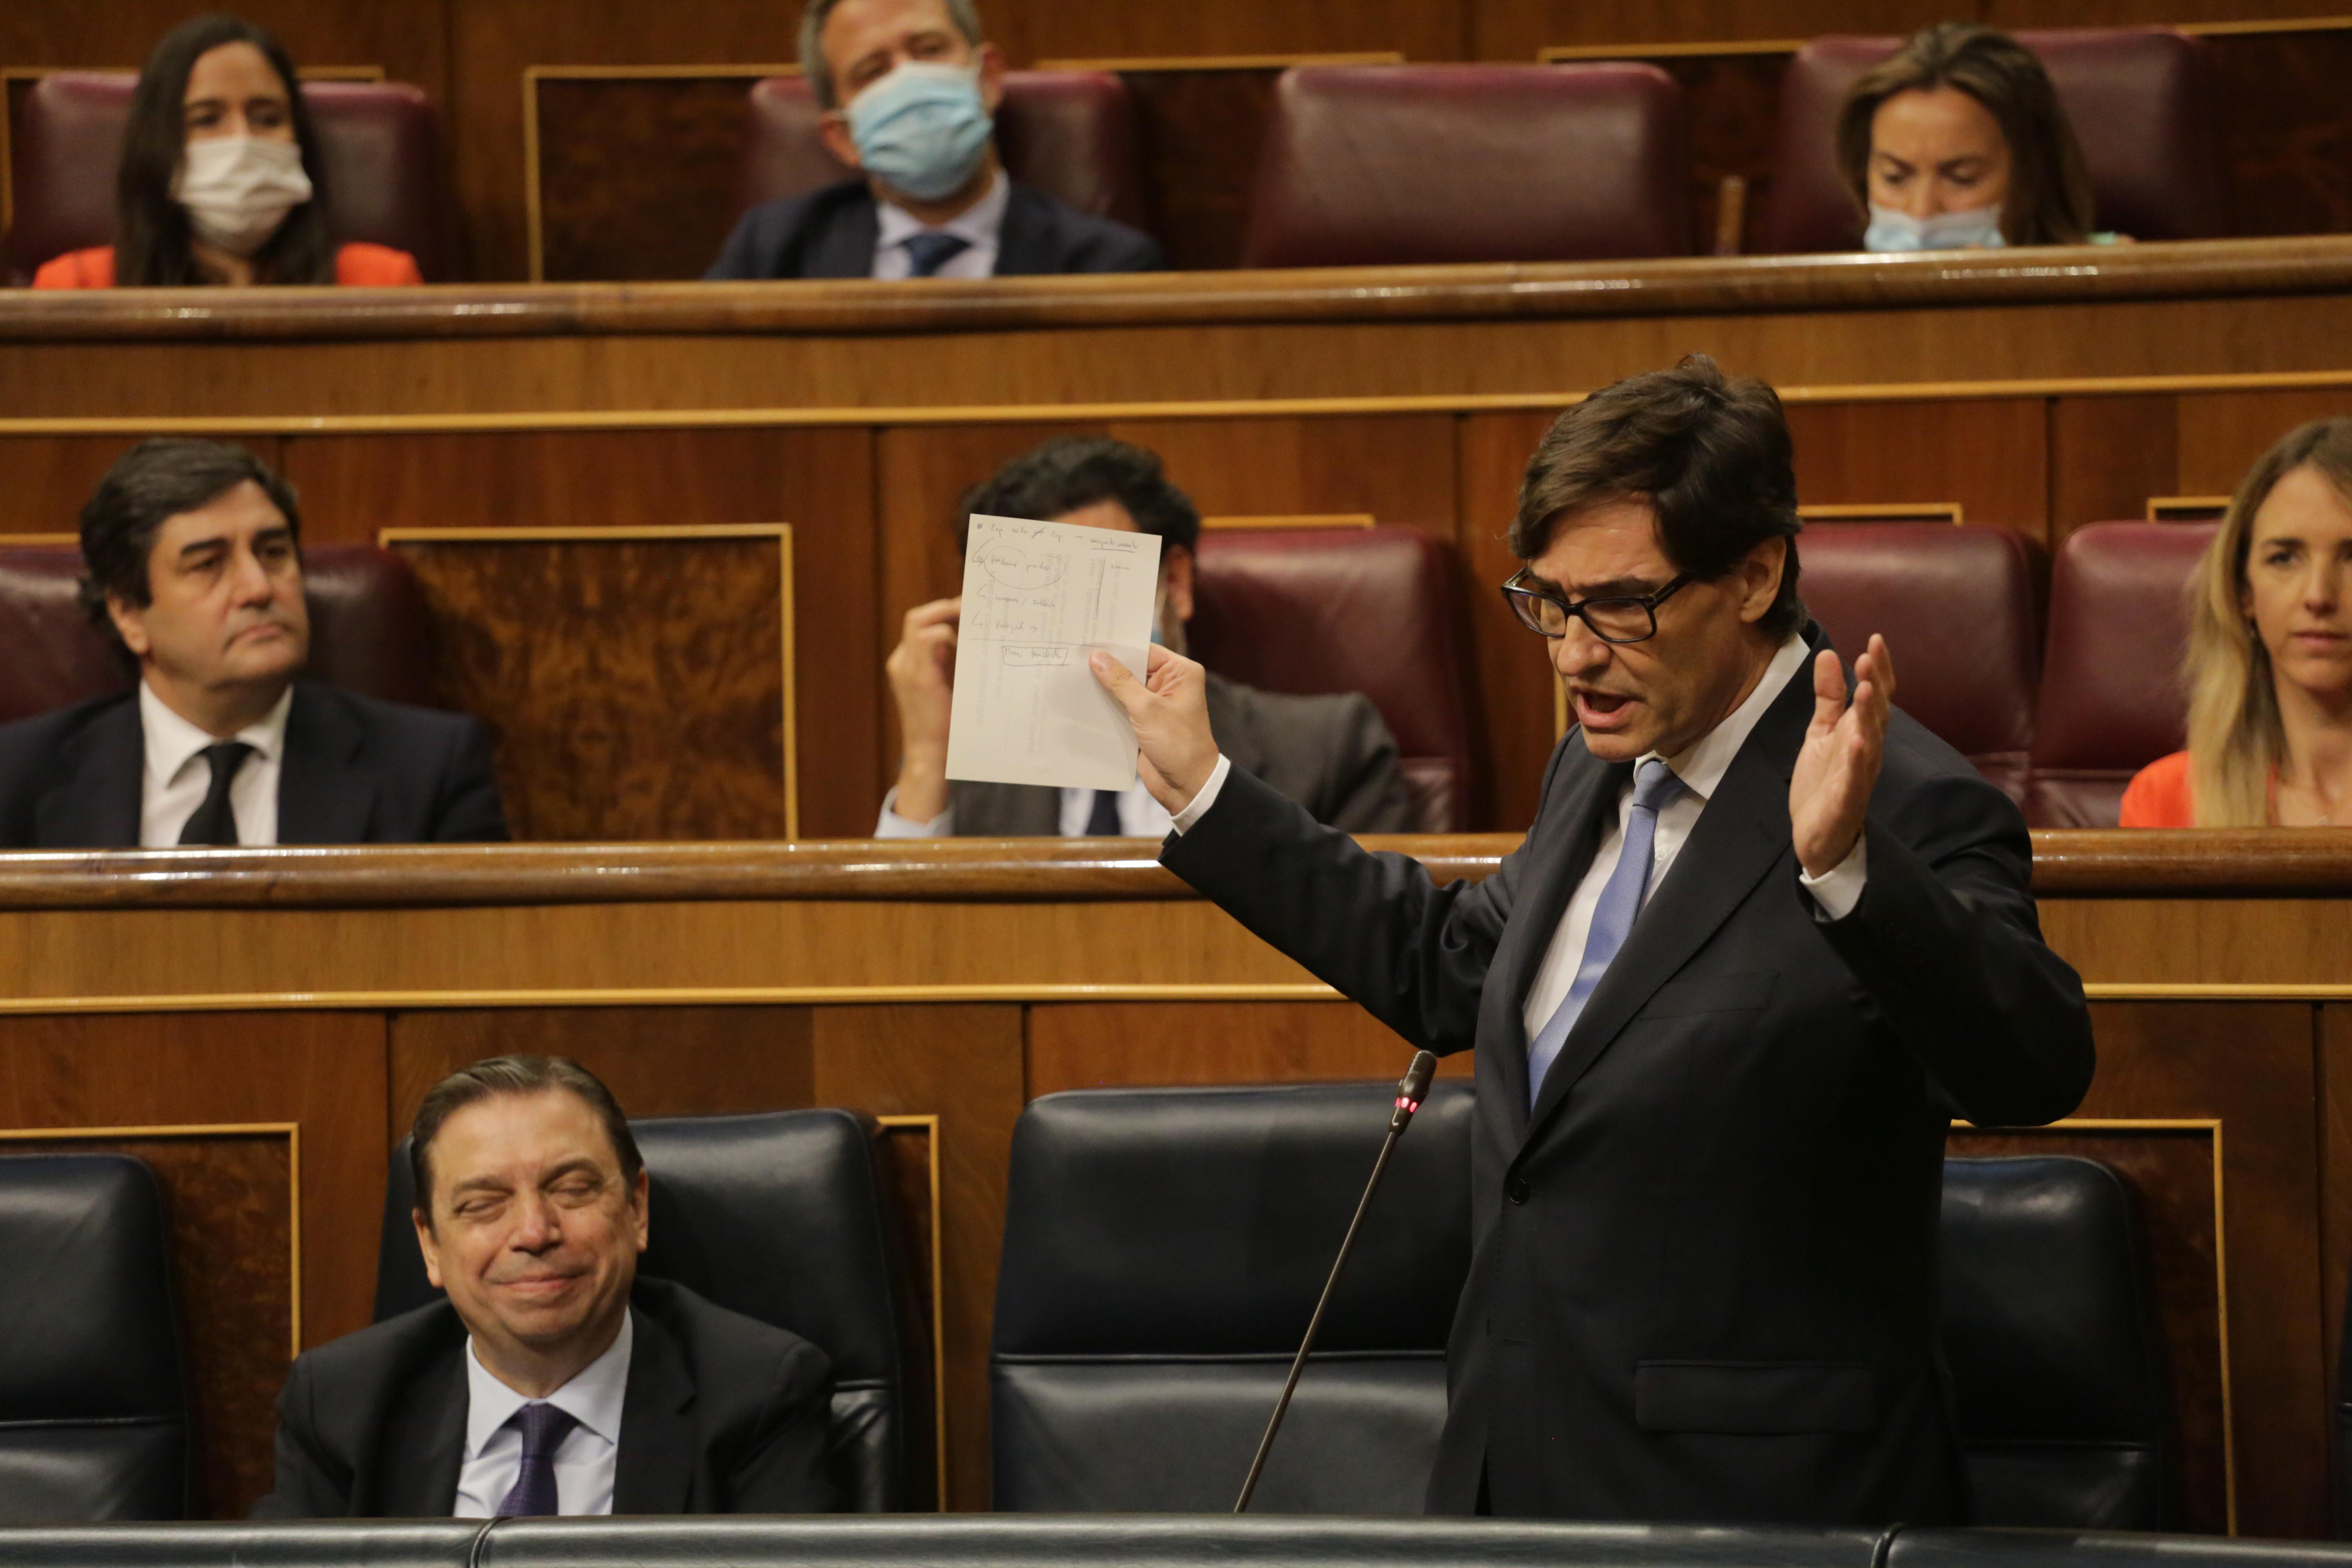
(1976, 228)
(922, 129)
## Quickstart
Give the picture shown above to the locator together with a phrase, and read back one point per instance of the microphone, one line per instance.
(1411, 1089)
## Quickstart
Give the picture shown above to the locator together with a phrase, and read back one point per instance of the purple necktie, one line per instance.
(543, 1429)
(1655, 785)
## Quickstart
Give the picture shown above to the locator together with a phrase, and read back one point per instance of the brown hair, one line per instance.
(2235, 738)
(512, 1075)
(1709, 453)
(2050, 200)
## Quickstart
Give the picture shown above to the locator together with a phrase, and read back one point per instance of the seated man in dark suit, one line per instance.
(910, 90)
(193, 562)
(1334, 754)
(553, 1380)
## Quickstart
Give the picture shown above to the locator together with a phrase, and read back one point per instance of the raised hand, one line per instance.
(922, 683)
(1829, 791)
(1169, 710)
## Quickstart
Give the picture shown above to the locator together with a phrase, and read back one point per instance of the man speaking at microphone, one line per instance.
(1766, 937)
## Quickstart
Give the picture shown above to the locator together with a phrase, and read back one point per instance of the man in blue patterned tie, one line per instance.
(1765, 939)
(553, 1380)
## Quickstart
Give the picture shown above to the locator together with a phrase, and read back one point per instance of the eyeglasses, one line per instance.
(1613, 619)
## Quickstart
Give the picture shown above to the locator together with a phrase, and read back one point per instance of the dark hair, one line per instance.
(1709, 453)
(512, 1075)
(148, 485)
(1073, 471)
(151, 244)
(2050, 200)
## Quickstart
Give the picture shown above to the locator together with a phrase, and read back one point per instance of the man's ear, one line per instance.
(428, 1245)
(641, 1201)
(130, 624)
(992, 78)
(1760, 578)
(1176, 570)
(833, 130)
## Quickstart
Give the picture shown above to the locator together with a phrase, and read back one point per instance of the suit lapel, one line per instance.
(97, 804)
(1230, 727)
(1741, 835)
(321, 798)
(1022, 244)
(424, 1444)
(653, 1471)
(844, 246)
(1590, 789)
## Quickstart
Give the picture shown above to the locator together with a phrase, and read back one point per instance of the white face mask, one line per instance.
(239, 189)
(1976, 228)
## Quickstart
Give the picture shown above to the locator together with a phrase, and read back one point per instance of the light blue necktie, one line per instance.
(1655, 785)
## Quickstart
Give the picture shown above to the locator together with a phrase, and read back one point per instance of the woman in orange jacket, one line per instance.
(221, 180)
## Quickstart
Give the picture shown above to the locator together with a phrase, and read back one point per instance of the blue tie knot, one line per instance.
(543, 1427)
(1655, 785)
(932, 249)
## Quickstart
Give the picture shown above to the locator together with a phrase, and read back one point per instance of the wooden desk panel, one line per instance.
(325, 988)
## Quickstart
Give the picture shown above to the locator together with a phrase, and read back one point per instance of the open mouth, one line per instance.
(1600, 710)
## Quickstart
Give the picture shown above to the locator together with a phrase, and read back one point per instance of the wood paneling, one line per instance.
(1114, 1045)
(2107, 456)
(1988, 455)
(48, 481)
(965, 1063)
(619, 714)
(2251, 1066)
(637, 175)
(1520, 690)
(2174, 1181)
(820, 481)
(322, 1071)
(2221, 437)
(2336, 1180)
(228, 1204)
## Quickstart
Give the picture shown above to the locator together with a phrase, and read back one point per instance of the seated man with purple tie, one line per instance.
(192, 561)
(553, 1380)
(1766, 938)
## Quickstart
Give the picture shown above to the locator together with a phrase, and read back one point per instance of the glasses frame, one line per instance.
(1517, 591)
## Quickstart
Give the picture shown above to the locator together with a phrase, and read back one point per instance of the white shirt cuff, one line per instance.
(893, 825)
(1837, 890)
(1184, 819)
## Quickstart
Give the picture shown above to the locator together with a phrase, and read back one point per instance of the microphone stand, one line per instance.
(1411, 1089)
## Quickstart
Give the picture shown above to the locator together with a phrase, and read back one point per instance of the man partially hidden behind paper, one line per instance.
(1332, 754)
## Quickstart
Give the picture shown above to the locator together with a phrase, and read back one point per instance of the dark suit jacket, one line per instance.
(723, 1415)
(356, 771)
(832, 232)
(1334, 755)
(1702, 1282)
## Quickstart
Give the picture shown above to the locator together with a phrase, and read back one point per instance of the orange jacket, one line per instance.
(357, 266)
(2159, 795)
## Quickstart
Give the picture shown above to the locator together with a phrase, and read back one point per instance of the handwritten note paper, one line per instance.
(1037, 598)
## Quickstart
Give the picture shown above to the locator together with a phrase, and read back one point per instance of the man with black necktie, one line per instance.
(195, 569)
(1765, 939)
(553, 1379)
(1332, 753)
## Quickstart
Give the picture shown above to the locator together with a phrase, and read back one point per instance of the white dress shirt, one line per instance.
(1139, 816)
(1701, 768)
(982, 224)
(177, 777)
(583, 1460)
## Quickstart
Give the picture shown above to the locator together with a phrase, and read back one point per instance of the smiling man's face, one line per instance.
(534, 1232)
(1664, 694)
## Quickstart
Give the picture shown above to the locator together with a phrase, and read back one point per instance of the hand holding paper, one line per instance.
(1169, 712)
(1038, 598)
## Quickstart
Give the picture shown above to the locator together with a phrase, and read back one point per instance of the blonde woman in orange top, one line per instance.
(2270, 653)
(221, 180)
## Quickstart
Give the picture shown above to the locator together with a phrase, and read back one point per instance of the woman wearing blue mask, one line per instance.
(1957, 141)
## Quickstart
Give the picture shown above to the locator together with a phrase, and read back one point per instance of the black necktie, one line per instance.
(1102, 821)
(932, 249)
(543, 1429)
(214, 822)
